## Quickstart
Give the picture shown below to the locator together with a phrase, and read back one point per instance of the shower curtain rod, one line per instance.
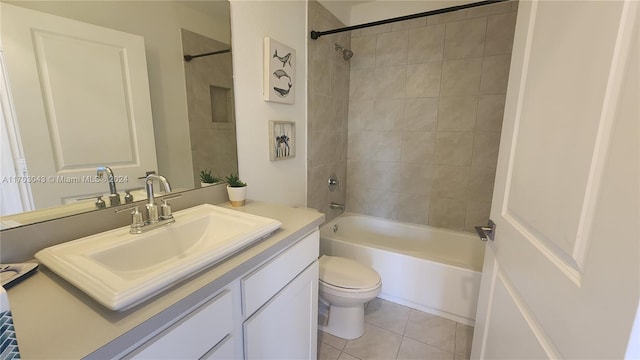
(316, 34)
(190, 57)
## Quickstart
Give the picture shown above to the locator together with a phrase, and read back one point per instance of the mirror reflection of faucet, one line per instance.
(114, 197)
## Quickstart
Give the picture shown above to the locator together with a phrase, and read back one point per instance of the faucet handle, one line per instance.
(137, 218)
(165, 208)
(100, 203)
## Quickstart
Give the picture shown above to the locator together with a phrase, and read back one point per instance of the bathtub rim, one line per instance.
(449, 263)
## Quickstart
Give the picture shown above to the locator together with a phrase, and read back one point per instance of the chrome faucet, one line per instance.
(153, 219)
(114, 197)
(152, 208)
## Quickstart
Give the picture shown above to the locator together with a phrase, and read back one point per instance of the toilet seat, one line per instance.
(347, 275)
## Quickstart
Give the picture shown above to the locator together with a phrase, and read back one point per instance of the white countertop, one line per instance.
(53, 319)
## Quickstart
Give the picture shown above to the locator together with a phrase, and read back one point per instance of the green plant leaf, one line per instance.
(234, 180)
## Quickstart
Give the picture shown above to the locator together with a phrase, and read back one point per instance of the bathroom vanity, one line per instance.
(259, 303)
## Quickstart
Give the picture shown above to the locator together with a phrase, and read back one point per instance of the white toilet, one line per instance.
(346, 285)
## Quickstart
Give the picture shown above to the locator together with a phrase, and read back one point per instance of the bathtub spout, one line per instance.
(335, 205)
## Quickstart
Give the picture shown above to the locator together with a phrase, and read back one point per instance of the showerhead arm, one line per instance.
(346, 53)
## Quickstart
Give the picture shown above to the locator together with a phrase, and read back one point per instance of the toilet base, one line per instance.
(345, 322)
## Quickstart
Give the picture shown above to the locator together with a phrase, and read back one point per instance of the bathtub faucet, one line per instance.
(335, 205)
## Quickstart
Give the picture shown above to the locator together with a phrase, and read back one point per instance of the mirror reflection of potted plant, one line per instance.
(236, 189)
(207, 179)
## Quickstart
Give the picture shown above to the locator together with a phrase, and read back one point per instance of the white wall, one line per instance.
(380, 10)
(283, 181)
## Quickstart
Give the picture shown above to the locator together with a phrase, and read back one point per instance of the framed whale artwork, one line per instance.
(279, 72)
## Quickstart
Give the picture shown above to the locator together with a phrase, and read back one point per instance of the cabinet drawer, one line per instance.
(192, 336)
(259, 286)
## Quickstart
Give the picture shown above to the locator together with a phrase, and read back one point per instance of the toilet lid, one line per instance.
(346, 273)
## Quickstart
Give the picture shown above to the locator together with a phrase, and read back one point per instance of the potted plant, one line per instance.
(206, 178)
(237, 190)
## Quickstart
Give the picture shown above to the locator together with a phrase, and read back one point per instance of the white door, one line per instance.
(562, 278)
(81, 97)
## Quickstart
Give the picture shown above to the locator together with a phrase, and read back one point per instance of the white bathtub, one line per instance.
(433, 270)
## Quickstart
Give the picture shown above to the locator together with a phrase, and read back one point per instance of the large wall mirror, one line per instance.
(91, 85)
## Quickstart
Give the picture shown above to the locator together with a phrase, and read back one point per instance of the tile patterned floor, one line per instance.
(397, 332)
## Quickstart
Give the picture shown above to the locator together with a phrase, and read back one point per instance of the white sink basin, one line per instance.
(120, 270)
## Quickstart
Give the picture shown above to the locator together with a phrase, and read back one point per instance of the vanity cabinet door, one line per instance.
(286, 326)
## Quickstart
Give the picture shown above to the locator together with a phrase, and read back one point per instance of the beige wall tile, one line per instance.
(319, 144)
(418, 147)
(426, 44)
(423, 80)
(485, 149)
(361, 85)
(409, 24)
(318, 77)
(386, 145)
(461, 77)
(420, 114)
(414, 178)
(379, 29)
(382, 204)
(317, 197)
(390, 82)
(364, 52)
(446, 17)
(423, 137)
(360, 113)
(447, 213)
(413, 208)
(385, 176)
(477, 214)
(485, 10)
(387, 115)
(481, 182)
(500, 30)
(450, 182)
(465, 39)
(495, 74)
(359, 145)
(358, 173)
(490, 113)
(321, 113)
(457, 113)
(391, 48)
(357, 199)
(454, 148)
(328, 98)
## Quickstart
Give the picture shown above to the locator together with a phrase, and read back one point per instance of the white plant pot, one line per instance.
(206, 184)
(237, 195)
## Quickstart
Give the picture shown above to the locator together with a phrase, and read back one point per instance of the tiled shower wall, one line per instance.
(213, 143)
(426, 102)
(327, 115)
